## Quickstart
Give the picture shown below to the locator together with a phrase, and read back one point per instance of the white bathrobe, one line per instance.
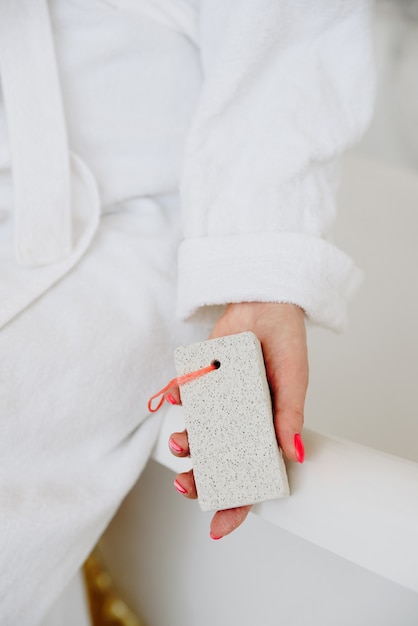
(108, 109)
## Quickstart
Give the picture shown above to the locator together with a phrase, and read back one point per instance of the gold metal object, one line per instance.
(107, 608)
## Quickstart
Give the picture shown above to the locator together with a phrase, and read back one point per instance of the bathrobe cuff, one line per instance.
(267, 267)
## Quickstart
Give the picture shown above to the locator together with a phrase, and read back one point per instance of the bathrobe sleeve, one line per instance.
(288, 86)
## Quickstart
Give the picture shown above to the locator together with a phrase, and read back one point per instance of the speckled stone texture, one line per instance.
(228, 415)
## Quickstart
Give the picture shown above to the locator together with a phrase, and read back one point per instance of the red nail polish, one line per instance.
(174, 446)
(171, 399)
(179, 487)
(299, 448)
(212, 536)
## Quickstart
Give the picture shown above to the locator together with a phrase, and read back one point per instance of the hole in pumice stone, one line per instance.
(216, 364)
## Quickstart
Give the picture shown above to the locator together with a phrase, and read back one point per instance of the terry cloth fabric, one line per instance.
(244, 105)
(288, 86)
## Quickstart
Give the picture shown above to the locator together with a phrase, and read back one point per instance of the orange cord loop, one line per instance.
(178, 381)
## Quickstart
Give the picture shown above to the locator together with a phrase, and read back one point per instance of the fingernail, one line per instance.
(179, 487)
(299, 448)
(171, 399)
(174, 446)
(212, 536)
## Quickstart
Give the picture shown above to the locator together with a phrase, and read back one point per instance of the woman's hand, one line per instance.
(281, 329)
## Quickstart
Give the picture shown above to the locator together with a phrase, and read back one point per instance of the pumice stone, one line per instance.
(229, 419)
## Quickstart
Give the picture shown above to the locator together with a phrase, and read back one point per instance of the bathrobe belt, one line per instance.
(37, 133)
(56, 203)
